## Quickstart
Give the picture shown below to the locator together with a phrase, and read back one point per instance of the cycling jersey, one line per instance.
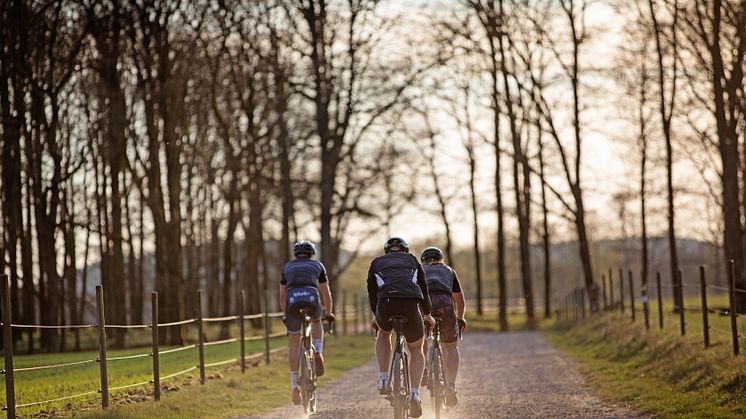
(441, 279)
(397, 275)
(301, 277)
(303, 272)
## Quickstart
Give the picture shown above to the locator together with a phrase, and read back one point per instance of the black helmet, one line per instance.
(396, 244)
(304, 248)
(431, 252)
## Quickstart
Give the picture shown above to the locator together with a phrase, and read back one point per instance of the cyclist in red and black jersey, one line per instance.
(448, 304)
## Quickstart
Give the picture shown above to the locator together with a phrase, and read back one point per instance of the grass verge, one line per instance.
(260, 389)
(657, 372)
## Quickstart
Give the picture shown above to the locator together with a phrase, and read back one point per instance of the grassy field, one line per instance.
(53, 383)
(659, 372)
(260, 389)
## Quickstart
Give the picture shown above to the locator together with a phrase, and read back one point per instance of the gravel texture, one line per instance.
(509, 375)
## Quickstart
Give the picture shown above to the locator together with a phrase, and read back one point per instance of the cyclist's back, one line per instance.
(448, 304)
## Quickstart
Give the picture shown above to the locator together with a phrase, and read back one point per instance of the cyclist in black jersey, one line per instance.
(447, 303)
(302, 279)
(397, 287)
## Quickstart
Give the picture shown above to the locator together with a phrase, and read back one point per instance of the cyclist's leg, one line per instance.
(414, 332)
(383, 341)
(416, 362)
(317, 334)
(451, 356)
(443, 306)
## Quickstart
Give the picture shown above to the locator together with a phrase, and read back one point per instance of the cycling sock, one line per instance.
(318, 345)
(415, 393)
(383, 376)
(294, 378)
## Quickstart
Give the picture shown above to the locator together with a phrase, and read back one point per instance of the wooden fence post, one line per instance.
(10, 391)
(682, 319)
(581, 294)
(660, 299)
(241, 331)
(200, 330)
(156, 356)
(267, 326)
(344, 312)
(621, 289)
(644, 296)
(732, 295)
(102, 347)
(632, 295)
(611, 288)
(603, 291)
(705, 314)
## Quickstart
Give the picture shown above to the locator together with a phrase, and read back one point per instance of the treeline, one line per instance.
(192, 131)
(677, 79)
(195, 133)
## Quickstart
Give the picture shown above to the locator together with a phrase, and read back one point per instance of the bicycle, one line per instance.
(397, 388)
(436, 380)
(307, 372)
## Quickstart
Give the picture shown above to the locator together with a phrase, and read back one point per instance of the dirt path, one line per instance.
(515, 375)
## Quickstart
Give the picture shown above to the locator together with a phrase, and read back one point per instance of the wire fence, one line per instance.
(354, 312)
(572, 306)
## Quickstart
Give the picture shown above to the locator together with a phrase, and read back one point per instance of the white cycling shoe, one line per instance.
(381, 386)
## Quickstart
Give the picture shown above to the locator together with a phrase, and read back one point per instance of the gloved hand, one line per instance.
(461, 324)
(331, 318)
(284, 320)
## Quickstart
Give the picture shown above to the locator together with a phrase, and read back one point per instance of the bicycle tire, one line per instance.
(398, 395)
(436, 383)
(308, 397)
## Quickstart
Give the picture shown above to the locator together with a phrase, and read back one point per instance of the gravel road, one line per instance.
(513, 375)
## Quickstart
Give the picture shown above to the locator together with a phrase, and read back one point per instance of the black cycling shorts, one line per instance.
(406, 307)
(297, 298)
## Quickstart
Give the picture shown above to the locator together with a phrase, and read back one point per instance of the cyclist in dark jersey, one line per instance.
(302, 279)
(397, 287)
(448, 304)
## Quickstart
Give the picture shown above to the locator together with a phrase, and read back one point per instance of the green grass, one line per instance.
(46, 384)
(659, 372)
(260, 389)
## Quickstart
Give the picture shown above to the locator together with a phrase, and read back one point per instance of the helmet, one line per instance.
(396, 244)
(431, 252)
(304, 248)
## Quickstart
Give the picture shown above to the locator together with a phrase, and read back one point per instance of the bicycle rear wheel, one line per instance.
(308, 381)
(399, 392)
(437, 393)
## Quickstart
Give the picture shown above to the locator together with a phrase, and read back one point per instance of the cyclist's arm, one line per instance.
(326, 294)
(458, 297)
(372, 290)
(283, 293)
(425, 305)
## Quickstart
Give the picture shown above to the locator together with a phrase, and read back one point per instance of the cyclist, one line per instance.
(302, 279)
(397, 287)
(447, 303)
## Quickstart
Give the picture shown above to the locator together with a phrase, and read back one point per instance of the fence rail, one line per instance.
(357, 309)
